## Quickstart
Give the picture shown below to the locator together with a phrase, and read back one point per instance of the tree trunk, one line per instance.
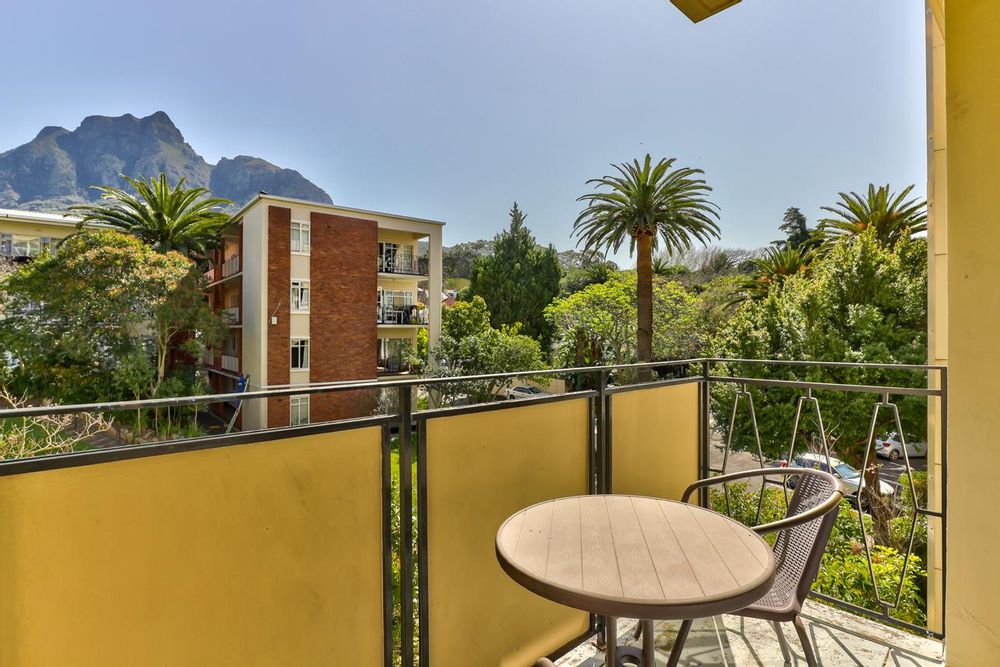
(644, 289)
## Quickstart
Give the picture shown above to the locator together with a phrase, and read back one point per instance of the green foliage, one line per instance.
(456, 261)
(774, 267)
(179, 219)
(798, 236)
(891, 217)
(844, 573)
(574, 280)
(470, 345)
(597, 325)
(97, 320)
(862, 302)
(518, 279)
(668, 204)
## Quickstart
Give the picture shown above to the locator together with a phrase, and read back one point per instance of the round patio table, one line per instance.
(635, 557)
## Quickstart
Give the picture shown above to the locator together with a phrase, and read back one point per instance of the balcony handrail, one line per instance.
(275, 391)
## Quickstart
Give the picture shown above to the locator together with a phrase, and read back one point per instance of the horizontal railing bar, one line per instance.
(829, 386)
(876, 615)
(126, 452)
(652, 385)
(500, 405)
(829, 364)
(112, 406)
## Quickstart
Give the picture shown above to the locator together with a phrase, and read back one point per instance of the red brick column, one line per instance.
(279, 233)
(342, 327)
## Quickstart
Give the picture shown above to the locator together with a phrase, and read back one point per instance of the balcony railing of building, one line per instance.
(230, 315)
(22, 248)
(403, 315)
(231, 266)
(230, 363)
(430, 482)
(404, 264)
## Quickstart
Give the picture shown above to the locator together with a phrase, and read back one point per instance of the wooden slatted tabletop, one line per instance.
(635, 557)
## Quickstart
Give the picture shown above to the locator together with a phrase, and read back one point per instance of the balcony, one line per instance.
(429, 486)
(403, 315)
(231, 266)
(404, 265)
(230, 363)
(230, 315)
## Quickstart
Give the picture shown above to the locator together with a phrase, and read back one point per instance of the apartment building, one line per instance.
(316, 293)
(25, 234)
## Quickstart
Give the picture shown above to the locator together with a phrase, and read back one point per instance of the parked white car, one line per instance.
(848, 474)
(890, 447)
(525, 391)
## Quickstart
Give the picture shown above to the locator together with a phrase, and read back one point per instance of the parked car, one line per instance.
(890, 447)
(848, 474)
(525, 391)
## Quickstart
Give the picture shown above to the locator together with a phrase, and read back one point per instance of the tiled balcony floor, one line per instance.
(840, 638)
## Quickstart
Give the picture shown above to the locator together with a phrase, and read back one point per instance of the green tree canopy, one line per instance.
(517, 279)
(596, 325)
(470, 345)
(797, 232)
(861, 302)
(101, 316)
(647, 205)
(178, 218)
(892, 216)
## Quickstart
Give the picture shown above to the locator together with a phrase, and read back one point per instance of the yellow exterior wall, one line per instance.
(34, 228)
(655, 441)
(481, 468)
(264, 554)
(972, 106)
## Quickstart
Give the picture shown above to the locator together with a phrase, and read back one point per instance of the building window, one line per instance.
(299, 406)
(301, 236)
(300, 296)
(300, 354)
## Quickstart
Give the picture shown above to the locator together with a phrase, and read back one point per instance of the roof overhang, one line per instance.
(698, 10)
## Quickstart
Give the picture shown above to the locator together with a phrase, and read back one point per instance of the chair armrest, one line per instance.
(788, 522)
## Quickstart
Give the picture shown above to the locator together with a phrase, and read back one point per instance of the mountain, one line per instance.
(57, 168)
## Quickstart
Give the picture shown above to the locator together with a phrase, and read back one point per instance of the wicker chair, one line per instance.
(798, 550)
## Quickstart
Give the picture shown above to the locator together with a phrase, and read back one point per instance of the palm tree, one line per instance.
(892, 216)
(774, 267)
(178, 218)
(646, 205)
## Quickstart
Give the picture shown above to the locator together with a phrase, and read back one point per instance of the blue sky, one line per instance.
(452, 109)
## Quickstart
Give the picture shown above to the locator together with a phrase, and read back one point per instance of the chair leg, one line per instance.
(675, 652)
(807, 648)
(785, 654)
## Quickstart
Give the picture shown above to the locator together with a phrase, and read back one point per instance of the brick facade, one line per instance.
(279, 231)
(342, 326)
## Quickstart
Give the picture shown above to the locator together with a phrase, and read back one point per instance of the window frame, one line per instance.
(295, 404)
(302, 227)
(306, 354)
(303, 287)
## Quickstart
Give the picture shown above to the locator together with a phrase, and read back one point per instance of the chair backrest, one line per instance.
(798, 551)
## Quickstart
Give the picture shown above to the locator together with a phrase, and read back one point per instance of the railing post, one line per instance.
(406, 525)
(603, 450)
(704, 455)
(387, 501)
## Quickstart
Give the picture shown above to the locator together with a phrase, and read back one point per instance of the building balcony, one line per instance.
(403, 315)
(230, 315)
(231, 266)
(431, 477)
(230, 363)
(409, 266)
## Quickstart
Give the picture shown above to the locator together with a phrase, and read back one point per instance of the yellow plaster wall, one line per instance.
(264, 554)
(972, 107)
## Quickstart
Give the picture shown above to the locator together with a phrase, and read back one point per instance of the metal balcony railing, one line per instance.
(465, 461)
(230, 363)
(231, 266)
(402, 315)
(230, 315)
(414, 266)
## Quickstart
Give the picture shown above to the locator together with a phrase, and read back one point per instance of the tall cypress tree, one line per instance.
(518, 279)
